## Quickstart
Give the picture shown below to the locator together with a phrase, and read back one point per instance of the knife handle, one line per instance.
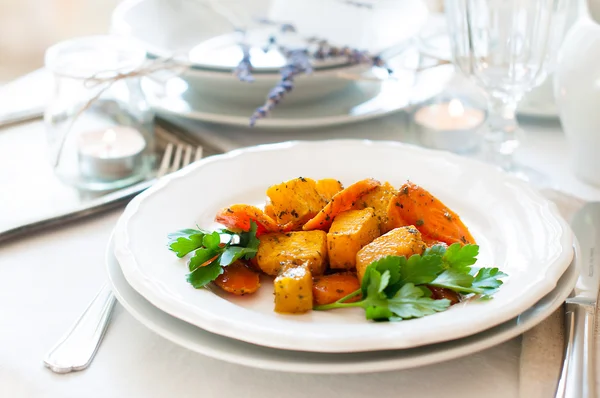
(577, 375)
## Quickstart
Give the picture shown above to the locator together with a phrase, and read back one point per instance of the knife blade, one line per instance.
(577, 379)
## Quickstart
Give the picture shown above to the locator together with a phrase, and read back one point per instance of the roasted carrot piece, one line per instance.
(238, 279)
(342, 201)
(330, 288)
(239, 217)
(423, 210)
(270, 210)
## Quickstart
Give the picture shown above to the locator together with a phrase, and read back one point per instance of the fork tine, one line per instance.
(165, 162)
(187, 157)
(176, 165)
(199, 153)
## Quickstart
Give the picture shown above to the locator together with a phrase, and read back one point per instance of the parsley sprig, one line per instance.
(212, 250)
(394, 288)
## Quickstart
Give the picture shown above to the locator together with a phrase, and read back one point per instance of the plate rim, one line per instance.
(233, 329)
(513, 328)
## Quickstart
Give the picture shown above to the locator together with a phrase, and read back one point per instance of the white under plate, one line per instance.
(517, 229)
(364, 100)
(215, 346)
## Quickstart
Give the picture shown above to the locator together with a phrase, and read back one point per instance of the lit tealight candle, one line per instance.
(111, 154)
(449, 125)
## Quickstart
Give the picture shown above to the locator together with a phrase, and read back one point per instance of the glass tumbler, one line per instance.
(507, 47)
(100, 128)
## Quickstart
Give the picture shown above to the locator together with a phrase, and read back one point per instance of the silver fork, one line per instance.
(76, 349)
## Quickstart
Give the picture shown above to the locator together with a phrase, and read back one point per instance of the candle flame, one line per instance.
(109, 137)
(455, 108)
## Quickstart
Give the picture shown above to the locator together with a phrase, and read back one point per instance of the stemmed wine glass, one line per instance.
(506, 47)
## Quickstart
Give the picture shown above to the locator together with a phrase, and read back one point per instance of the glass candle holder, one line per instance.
(449, 123)
(100, 128)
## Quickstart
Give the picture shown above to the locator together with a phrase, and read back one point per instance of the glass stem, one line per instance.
(500, 139)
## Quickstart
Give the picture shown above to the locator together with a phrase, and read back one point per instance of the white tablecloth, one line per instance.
(47, 279)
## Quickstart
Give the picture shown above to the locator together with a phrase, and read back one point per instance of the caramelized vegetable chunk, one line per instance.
(276, 251)
(438, 293)
(420, 208)
(328, 187)
(350, 231)
(238, 217)
(293, 290)
(404, 241)
(295, 201)
(330, 288)
(238, 279)
(270, 211)
(379, 199)
(342, 201)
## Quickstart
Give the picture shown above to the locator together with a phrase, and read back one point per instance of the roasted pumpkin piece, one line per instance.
(280, 250)
(293, 290)
(349, 232)
(420, 208)
(328, 187)
(327, 289)
(342, 201)
(404, 241)
(378, 199)
(238, 217)
(295, 201)
(239, 279)
(270, 211)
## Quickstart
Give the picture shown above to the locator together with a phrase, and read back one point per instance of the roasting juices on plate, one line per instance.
(396, 253)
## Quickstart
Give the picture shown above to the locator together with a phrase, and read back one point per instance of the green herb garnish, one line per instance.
(394, 288)
(212, 250)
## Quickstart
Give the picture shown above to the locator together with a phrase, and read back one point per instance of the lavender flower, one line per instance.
(298, 62)
(243, 70)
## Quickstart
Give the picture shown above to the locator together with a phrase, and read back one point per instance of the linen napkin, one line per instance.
(542, 346)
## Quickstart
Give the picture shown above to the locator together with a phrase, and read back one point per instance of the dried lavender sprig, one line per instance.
(325, 50)
(297, 63)
(243, 70)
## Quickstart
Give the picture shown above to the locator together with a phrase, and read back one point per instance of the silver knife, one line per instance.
(577, 379)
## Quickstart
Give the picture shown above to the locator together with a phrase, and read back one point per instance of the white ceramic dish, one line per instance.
(223, 348)
(359, 101)
(517, 229)
(193, 31)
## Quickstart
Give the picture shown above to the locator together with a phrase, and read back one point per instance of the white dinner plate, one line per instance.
(517, 229)
(223, 348)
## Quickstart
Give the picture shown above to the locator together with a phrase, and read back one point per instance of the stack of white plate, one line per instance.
(516, 228)
(203, 34)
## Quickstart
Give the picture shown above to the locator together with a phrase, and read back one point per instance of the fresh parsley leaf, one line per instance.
(454, 280)
(435, 249)
(420, 270)
(185, 241)
(234, 253)
(378, 313)
(390, 264)
(250, 241)
(460, 258)
(201, 256)
(220, 248)
(411, 302)
(201, 276)
(487, 279)
(212, 241)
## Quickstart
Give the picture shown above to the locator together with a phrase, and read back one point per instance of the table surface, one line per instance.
(47, 280)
